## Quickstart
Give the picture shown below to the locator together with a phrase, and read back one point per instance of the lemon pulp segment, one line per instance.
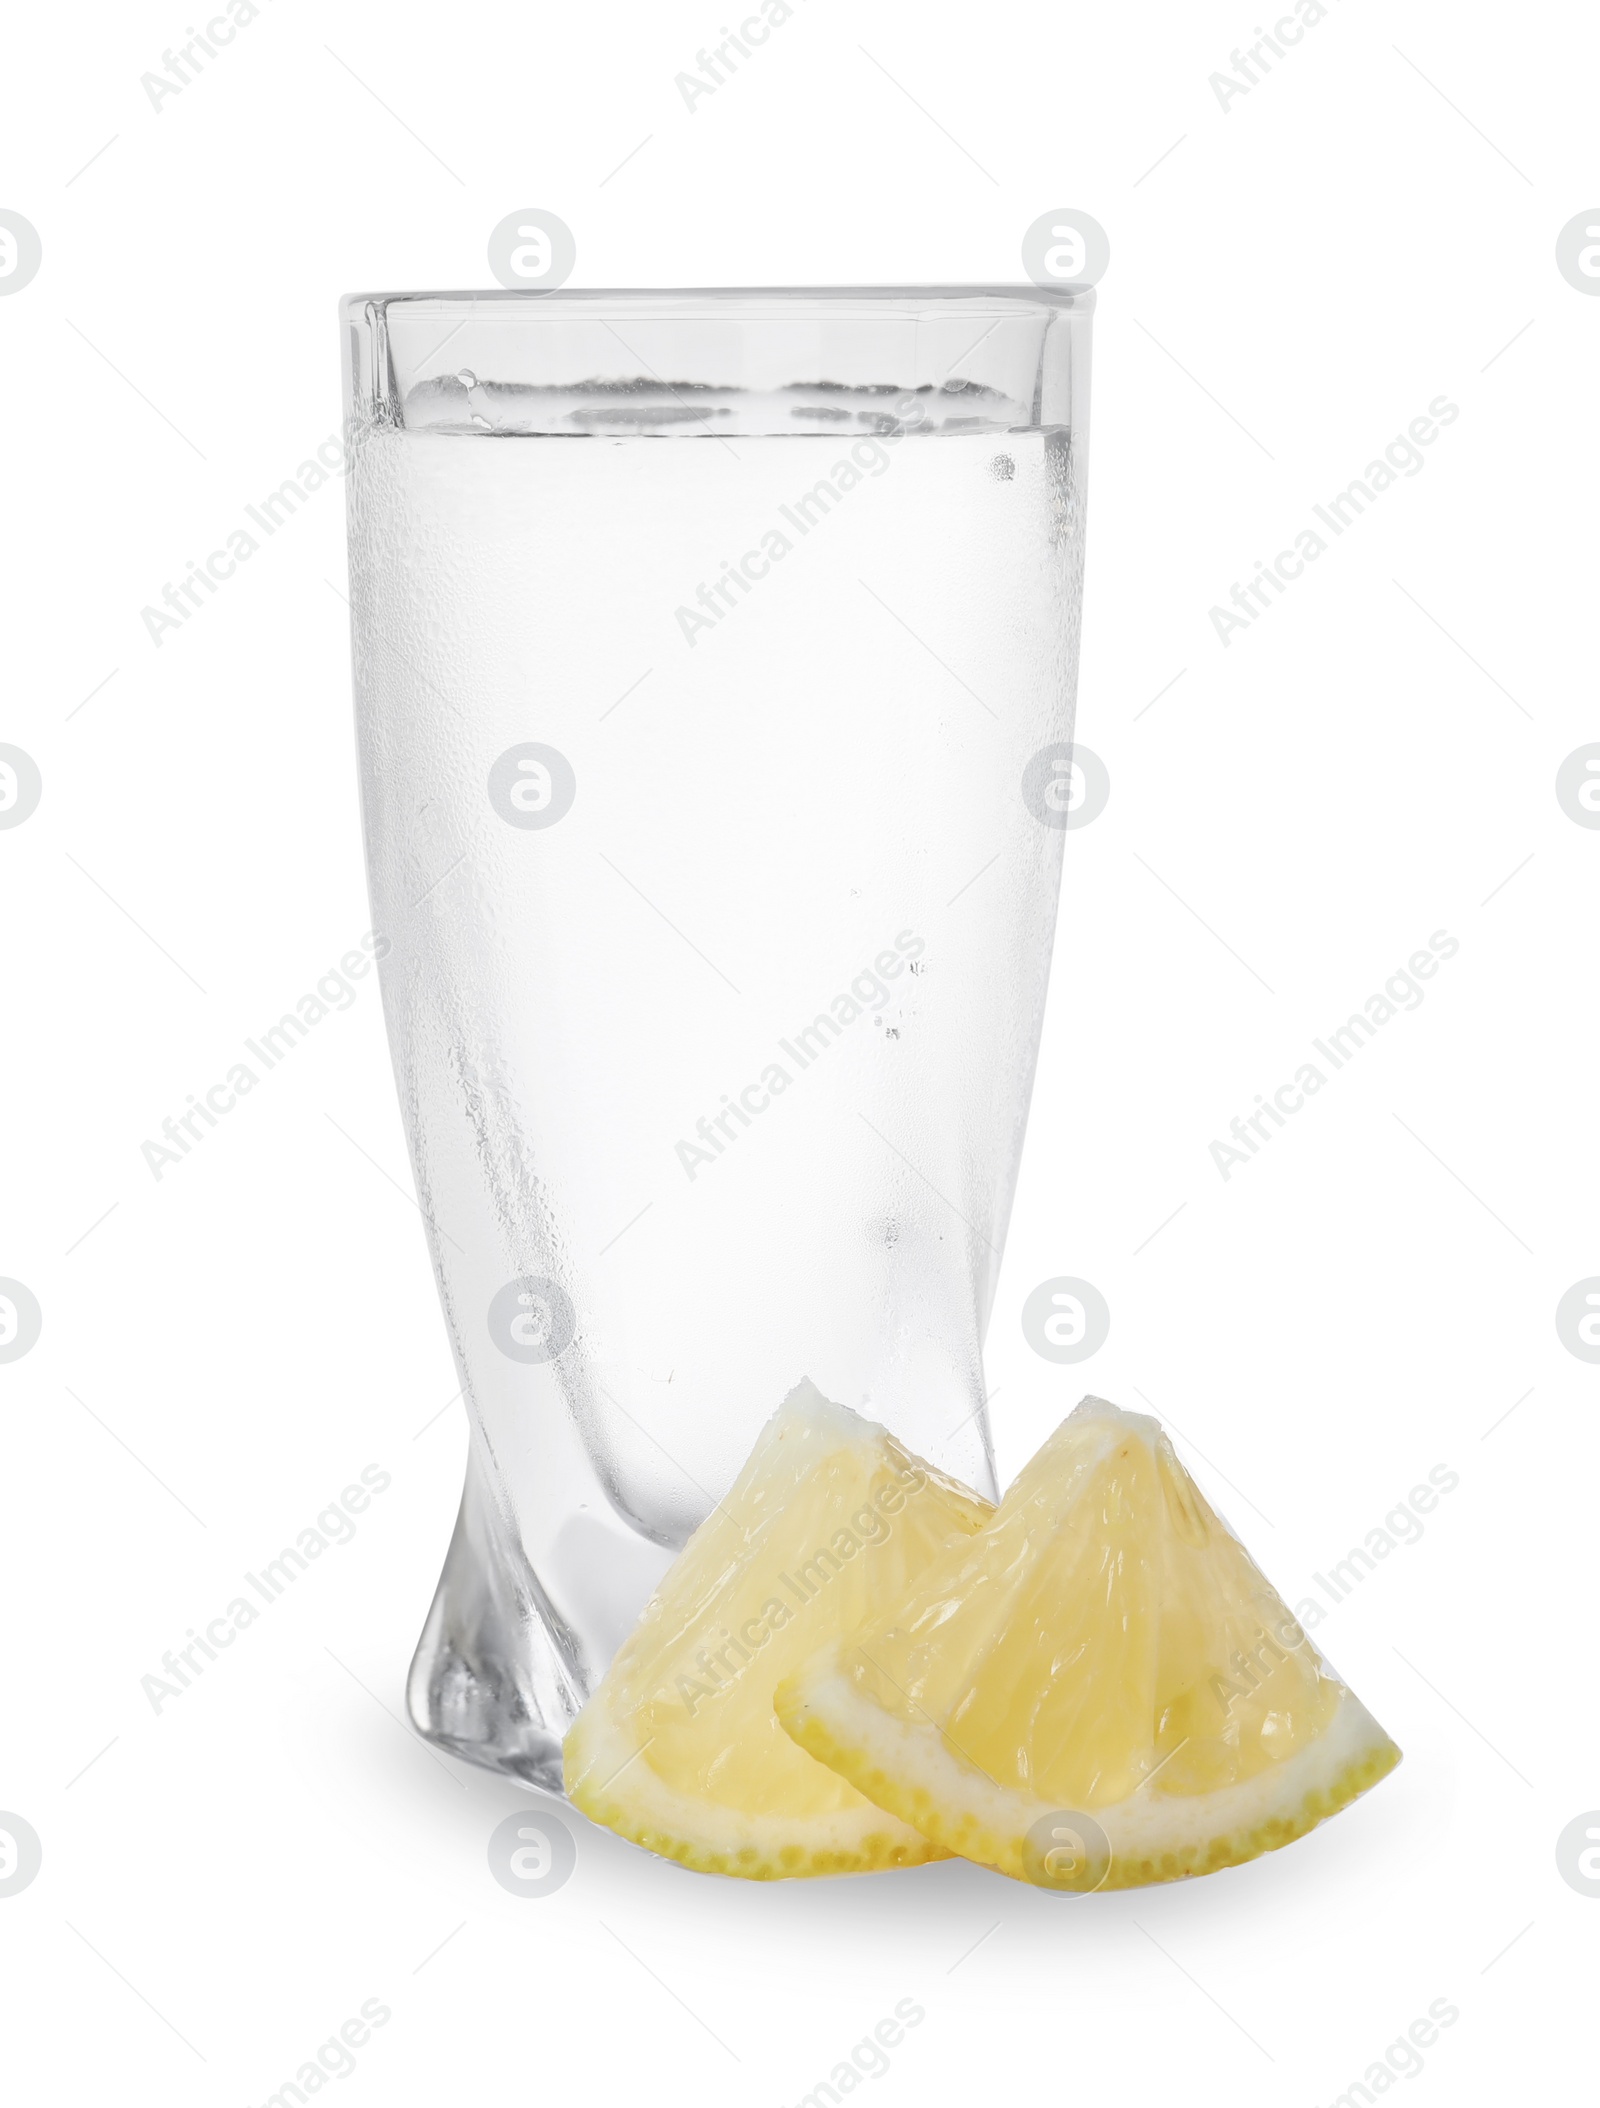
(1104, 1649)
(679, 1747)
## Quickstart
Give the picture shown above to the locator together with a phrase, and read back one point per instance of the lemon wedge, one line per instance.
(678, 1748)
(1099, 1689)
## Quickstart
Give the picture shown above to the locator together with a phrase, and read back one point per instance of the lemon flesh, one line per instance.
(1098, 1690)
(679, 1748)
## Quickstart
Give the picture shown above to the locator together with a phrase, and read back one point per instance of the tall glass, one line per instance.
(714, 667)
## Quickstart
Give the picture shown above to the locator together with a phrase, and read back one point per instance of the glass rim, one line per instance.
(701, 302)
(570, 361)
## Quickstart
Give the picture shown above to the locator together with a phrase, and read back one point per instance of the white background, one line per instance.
(1371, 1296)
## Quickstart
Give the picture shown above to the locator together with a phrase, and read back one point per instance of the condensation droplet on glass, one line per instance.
(467, 377)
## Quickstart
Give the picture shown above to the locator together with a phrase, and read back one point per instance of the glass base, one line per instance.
(488, 1681)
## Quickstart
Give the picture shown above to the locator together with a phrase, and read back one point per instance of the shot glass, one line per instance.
(714, 661)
